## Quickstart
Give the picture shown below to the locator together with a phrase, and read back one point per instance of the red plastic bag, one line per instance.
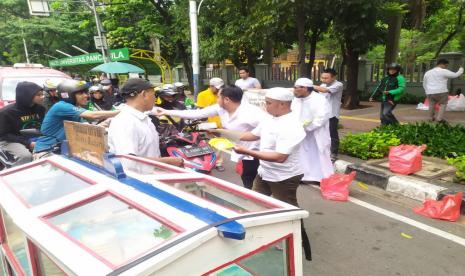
(406, 159)
(336, 187)
(239, 167)
(448, 208)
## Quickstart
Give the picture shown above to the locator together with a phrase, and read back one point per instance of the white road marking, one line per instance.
(406, 220)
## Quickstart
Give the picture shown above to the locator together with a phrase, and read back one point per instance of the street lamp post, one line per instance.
(195, 45)
(99, 30)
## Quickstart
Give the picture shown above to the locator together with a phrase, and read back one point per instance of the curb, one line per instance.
(404, 185)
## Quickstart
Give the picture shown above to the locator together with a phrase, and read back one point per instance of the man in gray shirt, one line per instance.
(333, 88)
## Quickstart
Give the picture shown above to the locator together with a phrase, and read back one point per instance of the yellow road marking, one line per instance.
(364, 119)
(360, 119)
(405, 236)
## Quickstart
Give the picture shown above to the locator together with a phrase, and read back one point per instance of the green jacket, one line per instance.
(394, 84)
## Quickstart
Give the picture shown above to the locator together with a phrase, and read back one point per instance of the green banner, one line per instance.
(115, 55)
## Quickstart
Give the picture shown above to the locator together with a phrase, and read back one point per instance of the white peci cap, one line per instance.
(280, 94)
(216, 82)
(304, 82)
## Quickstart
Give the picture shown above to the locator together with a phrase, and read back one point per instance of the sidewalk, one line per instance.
(367, 118)
(433, 181)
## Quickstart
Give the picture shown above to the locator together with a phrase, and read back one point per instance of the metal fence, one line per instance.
(413, 72)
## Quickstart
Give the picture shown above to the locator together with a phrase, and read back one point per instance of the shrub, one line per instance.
(442, 140)
(368, 145)
(459, 163)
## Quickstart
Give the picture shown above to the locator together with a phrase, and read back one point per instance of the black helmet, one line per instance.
(67, 90)
(394, 66)
(166, 92)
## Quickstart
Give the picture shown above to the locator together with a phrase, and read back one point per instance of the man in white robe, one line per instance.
(313, 110)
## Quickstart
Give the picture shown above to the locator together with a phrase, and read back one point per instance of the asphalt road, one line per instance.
(373, 235)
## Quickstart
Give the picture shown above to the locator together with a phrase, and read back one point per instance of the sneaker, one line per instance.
(220, 168)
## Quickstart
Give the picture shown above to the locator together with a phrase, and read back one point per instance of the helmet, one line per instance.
(178, 85)
(394, 66)
(49, 85)
(67, 90)
(168, 86)
(166, 92)
(95, 88)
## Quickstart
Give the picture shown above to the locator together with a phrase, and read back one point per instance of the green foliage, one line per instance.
(65, 27)
(368, 145)
(442, 140)
(459, 164)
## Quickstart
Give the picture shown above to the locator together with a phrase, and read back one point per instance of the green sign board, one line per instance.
(115, 55)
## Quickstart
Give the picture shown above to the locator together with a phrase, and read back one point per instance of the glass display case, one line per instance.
(146, 167)
(220, 194)
(112, 228)
(61, 216)
(43, 182)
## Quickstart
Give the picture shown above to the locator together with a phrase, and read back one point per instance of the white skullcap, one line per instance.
(280, 94)
(304, 82)
(216, 82)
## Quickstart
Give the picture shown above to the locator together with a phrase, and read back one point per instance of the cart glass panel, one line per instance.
(143, 168)
(47, 266)
(112, 229)
(16, 242)
(220, 195)
(273, 261)
(43, 182)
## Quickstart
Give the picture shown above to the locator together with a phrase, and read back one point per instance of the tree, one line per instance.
(243, 31)
(313, 18)
(42, 34)
(356, 23)
(393, 14)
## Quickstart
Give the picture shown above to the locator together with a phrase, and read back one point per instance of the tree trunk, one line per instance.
(418, 12)
(251, 60)
(186, 61)
(300, 22)
(313, 42)
(351, 97)
(268, 52)
(393, 36)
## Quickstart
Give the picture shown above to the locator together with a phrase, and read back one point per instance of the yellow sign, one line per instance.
(86, 142)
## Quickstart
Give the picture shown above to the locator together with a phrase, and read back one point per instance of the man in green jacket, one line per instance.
(392, 88)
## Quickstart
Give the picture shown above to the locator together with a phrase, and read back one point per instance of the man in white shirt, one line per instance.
(280, 136)
(313, 111)
(247, 82)
(333, 88)
(131, 131)
(435, 85)
(234, 115)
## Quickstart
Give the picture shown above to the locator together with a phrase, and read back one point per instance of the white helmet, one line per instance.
(178, 84)
(168, 86)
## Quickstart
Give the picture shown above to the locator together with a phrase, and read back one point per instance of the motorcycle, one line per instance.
(8, 160)
(192, 146)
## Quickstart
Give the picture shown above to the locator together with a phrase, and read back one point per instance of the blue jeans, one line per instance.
(386, 116)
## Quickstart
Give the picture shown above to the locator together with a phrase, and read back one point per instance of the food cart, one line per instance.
(126, 215)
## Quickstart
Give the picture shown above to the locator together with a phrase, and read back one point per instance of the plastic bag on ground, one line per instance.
(406, 159)
(448, 208)
(336, 187)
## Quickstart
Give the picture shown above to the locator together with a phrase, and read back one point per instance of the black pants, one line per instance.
(333, 122)
(386, 116)
(249, 172)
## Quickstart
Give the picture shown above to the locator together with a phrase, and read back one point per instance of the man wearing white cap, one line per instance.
(279, 173)
(313, 110)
